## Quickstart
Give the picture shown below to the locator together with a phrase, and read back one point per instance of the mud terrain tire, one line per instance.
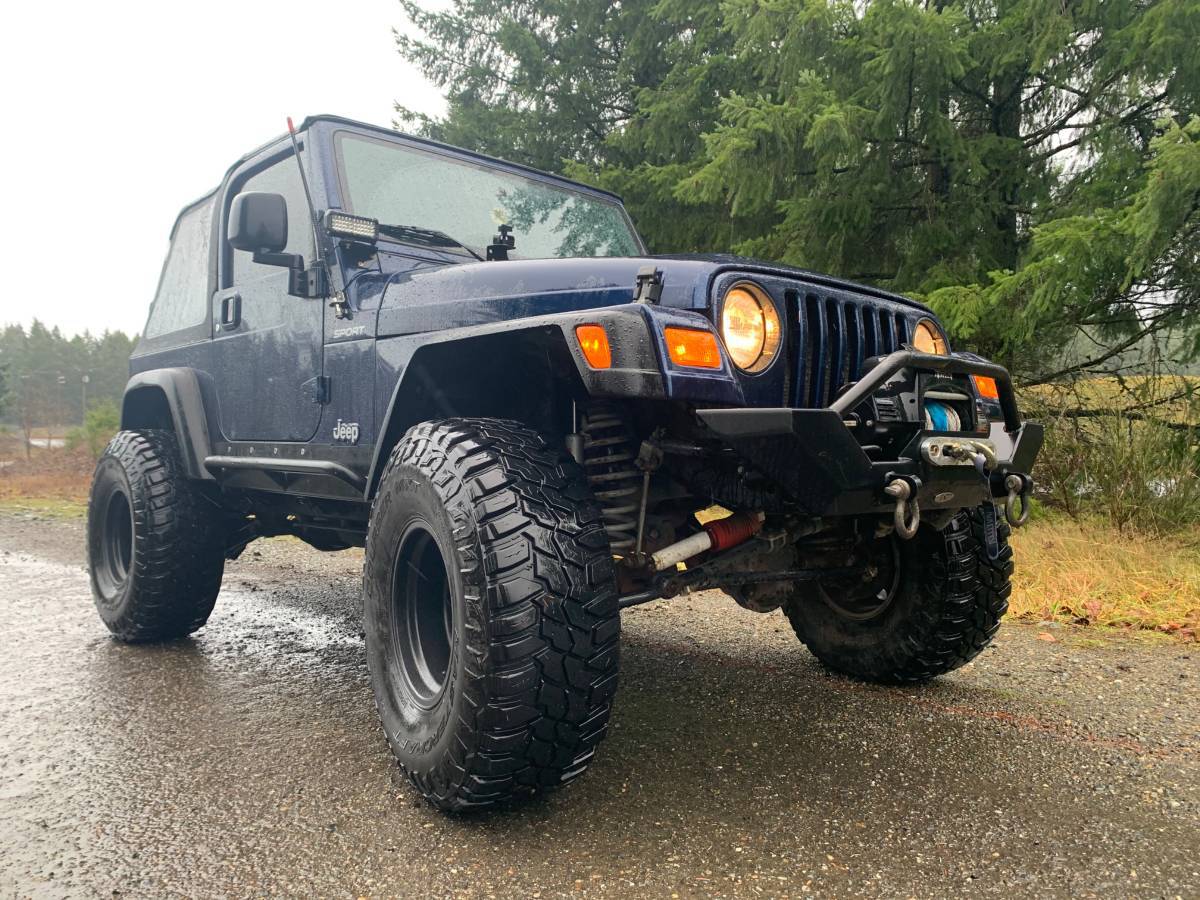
(155, 550)
(945, 609)
(490, 611)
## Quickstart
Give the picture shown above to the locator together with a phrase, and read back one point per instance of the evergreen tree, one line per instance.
(44, 371)
(1027, 166)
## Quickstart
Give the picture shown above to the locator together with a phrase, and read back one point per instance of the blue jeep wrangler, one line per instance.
(474, 370)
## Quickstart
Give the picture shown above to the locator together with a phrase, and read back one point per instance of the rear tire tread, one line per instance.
(178, 555)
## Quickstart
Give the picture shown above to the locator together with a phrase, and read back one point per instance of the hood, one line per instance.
(452, 296)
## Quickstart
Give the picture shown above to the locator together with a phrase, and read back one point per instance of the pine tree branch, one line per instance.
(973, 92)
(1085, 100)
(1061, 148)
(1063, 123)
(1081, 413)
(1096, 361)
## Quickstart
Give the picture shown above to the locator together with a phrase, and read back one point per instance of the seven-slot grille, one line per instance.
(831, 334)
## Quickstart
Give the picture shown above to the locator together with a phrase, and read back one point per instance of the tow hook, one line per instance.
(1018, 487)
(907, 516)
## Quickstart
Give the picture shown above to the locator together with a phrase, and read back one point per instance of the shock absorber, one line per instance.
(609, 452)
(717, 536)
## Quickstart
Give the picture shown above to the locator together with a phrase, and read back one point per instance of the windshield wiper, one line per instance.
(429, 237)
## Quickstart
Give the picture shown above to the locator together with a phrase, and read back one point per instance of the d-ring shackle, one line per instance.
(1018, 487)
(907, 516)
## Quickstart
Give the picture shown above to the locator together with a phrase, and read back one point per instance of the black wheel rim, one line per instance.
(860, 597)
(421, 616)
(116, 543)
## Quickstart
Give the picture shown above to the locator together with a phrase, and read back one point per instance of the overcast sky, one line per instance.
(120, 113)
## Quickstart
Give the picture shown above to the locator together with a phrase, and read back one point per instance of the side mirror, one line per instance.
(258, 222)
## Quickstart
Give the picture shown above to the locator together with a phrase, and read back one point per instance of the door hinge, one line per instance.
(321, 390)
(309, 283)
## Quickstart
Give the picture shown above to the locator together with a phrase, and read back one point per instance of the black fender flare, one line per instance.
(161, 398)
(635, 372)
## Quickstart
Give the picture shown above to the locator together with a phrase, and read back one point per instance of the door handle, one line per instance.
(231, 312)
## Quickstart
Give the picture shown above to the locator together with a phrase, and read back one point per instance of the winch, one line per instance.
(941, 416)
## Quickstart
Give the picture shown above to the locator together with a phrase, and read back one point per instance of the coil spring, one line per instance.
(608, 459)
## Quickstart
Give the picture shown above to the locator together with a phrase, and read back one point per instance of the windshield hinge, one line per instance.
(341, 309)
(648, 285)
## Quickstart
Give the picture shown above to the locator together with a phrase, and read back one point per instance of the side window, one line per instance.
(281, 177)
(182, 298)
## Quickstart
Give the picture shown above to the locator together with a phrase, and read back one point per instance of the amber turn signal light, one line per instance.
(987, 387)
(593, 341)
(693, 347)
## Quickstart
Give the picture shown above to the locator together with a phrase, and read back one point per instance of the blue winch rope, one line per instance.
(941, 417)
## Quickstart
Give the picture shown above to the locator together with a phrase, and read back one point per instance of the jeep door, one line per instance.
(266, 343)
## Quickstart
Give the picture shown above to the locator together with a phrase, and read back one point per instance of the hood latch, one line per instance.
(648, 285)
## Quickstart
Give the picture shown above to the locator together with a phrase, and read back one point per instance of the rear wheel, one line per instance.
(490, 613)
(924, 607)
(155, 550)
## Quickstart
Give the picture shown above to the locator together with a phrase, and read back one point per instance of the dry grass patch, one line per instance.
(50, 481)
(69, 486)
(1092, 574)
(47, 494)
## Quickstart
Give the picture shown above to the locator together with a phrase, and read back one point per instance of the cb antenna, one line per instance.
(341, 308)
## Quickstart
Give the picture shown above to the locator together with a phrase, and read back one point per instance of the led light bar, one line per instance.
(354, 228)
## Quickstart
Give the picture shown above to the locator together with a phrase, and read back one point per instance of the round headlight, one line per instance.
(750, 327)
(928, 338)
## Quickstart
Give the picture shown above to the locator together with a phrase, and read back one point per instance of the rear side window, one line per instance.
(182, 298)
(282, 177)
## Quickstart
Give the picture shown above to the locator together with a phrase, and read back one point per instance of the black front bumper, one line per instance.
(813, 457)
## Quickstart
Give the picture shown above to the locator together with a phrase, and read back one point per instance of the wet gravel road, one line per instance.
(248, 761)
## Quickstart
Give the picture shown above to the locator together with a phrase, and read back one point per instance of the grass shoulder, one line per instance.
(1091, 573)
(44, 507)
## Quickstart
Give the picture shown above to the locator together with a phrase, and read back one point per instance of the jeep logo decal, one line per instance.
(346, 431)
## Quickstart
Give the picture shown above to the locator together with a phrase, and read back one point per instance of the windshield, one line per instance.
(402, 186)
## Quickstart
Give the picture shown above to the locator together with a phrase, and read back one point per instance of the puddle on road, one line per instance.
(98, 739)
(264, 625)
(268, 625)
(21, 574)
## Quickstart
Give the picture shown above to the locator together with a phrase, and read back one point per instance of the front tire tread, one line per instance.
(532, 543)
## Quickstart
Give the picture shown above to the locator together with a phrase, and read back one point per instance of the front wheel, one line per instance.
(926, 605)
(490, 612)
